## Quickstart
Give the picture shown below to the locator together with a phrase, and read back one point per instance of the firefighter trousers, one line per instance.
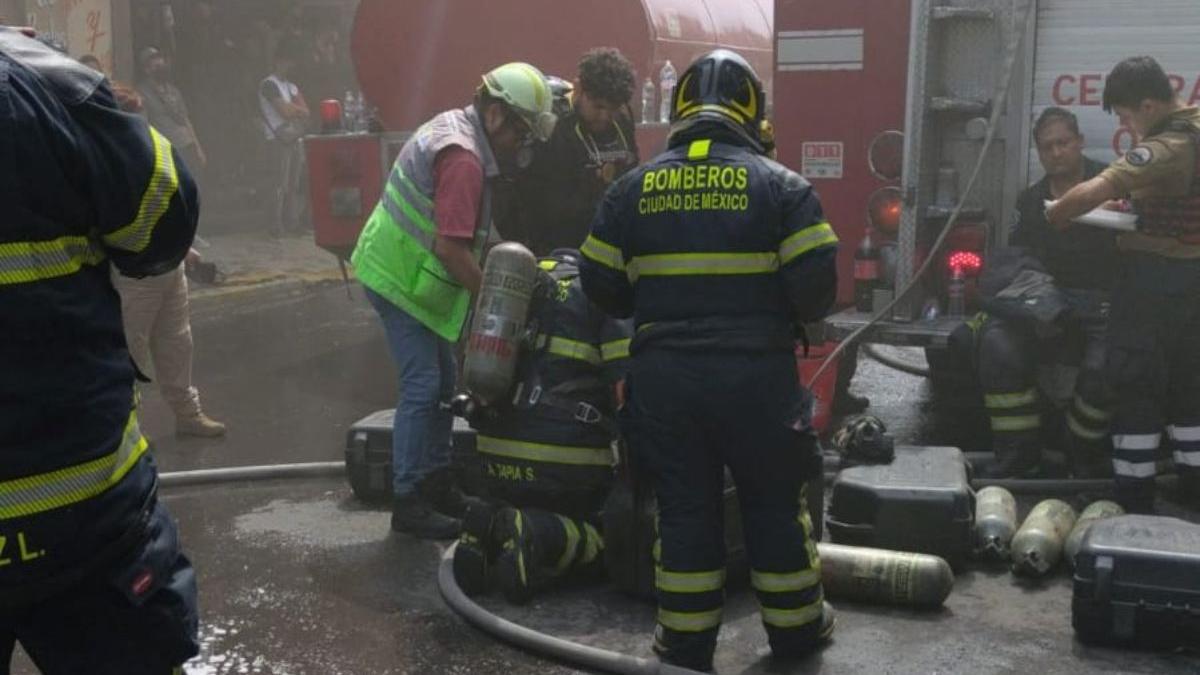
(688, 416)
(1009, 355)
(138, 617)
(1154, 368)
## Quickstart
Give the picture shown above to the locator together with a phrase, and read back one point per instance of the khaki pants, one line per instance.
(159, 333)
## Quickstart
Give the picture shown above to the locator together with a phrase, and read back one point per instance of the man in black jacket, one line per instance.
(551, 205)
(1071, 269)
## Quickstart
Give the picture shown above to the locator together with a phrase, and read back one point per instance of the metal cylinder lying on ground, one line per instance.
(995, 523)
(879, 576)
(494, 342)
(1095, 512)
(1038, 545)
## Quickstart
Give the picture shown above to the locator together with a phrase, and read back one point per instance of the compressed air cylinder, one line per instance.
(1038, 545)
(1096, 511)
(494, 342)
(888, 577)
(995, 523)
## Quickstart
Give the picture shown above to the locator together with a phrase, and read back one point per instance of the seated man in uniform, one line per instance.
(1065, 276)
(548, 458)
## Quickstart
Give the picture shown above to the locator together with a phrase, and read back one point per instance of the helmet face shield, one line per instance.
(527, 93)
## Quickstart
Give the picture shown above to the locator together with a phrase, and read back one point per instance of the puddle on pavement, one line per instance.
(320, 523)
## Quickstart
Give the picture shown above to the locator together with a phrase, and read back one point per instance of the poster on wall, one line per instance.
(82, 26)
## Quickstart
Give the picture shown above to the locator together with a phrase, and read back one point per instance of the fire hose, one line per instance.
(1020, 19)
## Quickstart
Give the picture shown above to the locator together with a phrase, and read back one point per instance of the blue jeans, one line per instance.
(421, 429)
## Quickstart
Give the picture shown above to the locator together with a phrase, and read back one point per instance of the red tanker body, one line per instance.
(416, 58)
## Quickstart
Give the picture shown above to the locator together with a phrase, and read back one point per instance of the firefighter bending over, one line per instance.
(1047, 305)
(92, 578)
(720, 254)
(548, 458)
(1153, 353)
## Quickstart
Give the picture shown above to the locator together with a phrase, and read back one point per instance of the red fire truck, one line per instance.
(885, 105)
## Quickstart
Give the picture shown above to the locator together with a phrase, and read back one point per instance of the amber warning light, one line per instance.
(883, 209)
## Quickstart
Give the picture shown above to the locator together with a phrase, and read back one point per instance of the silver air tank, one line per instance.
(1038, 545)
(494, 341)
(995, 523)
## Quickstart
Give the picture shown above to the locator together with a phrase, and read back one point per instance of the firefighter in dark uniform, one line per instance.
(548, 459)
(719, 254)
(550, 205)
(1153, 348)
(92, 578)
(1010, 347)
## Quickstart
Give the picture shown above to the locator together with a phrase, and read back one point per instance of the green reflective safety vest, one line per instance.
(394, 256)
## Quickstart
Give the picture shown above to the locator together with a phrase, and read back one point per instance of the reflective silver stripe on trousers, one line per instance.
(1136, 441)
(1184, 434)
(1135, 469)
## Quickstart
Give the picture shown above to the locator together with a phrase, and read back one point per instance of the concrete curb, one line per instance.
(267, 290)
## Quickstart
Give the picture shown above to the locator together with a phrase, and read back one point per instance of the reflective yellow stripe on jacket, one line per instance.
(602, 252)
(542, 452)
(164, 183)
(571, 349)
(686, 264)
(806, 240)
(24, 262)
(31, 495)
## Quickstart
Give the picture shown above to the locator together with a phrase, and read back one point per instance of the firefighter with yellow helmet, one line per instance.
(720, 254)
(418, 260)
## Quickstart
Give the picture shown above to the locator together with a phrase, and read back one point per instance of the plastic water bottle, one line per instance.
(956, 293)
(648, 115)
(666, 87)
(866, 274)
(348, 112)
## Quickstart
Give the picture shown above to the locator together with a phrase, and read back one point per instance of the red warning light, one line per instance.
(966, 262)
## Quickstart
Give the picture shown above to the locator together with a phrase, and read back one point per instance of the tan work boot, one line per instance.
(199, 425)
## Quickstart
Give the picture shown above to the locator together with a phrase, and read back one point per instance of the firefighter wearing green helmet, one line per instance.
(418, 259)
(720, 254)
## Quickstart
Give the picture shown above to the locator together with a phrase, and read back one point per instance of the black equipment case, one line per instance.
(920, 502)
(1137, 582)
(369, 454)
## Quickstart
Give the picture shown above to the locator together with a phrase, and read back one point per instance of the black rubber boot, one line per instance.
(845, 403)
(440, 490)
(1015, 458)
(1136, 498)
(475, 551)
(414, 516)
(516, 562)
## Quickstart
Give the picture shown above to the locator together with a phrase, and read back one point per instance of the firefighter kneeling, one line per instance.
(546, 446)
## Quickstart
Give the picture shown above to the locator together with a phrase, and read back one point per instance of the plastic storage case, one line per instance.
(369, 454)
(920, 502)
(1137, 582)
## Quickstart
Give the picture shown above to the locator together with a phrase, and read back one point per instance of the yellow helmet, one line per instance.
(524, 89)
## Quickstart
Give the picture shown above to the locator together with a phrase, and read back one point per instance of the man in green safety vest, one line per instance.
(418, 259)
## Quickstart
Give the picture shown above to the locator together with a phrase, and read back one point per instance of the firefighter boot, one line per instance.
(199, 425)
(475, 551)
(1016, 457)
(440, 489)
(516, 563)
(411, 514)
(824, 634)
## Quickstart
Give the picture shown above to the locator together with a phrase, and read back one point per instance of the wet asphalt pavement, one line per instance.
(299, 578)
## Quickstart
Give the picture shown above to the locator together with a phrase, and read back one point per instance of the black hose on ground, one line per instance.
(894, 363)
(559, 649)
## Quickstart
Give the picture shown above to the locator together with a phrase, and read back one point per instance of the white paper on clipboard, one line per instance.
(1109, 220)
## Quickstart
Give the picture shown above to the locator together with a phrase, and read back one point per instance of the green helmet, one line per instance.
(525, 90)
